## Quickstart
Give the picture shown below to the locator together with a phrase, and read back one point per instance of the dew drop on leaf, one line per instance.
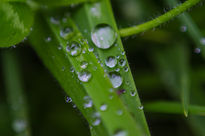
(103, 36)
(197, 50)
(141, 107)
(84, 65)
(202, 41)
(120, 133)
(122, 62)
(64, 32)
(183, 28)
(19, 125)
(103, 107)
(119, 112)
(90, 49)
(84, 76)
(74, 48)
(115, 79)
(96, 122)
(133, 93)
(111, 62)
(68, 99)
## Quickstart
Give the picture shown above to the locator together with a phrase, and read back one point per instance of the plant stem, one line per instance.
(14, 89)
(159, 20)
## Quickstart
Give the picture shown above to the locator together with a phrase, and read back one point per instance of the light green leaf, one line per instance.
(15, 22)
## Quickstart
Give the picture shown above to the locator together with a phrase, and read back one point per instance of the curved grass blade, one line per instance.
(89, 17)
(76, 83)
(16, 19)
(15, 94)
(173, 108)
(174, 62)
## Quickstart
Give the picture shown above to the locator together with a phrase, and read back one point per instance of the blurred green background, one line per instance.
(48, 112)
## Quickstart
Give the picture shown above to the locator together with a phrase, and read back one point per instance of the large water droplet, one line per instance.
(115, 79)
(84, 65)
(103, 107)
(103, 36)
(74, 48)
(120, 133)
(84, 76)
(111, 62)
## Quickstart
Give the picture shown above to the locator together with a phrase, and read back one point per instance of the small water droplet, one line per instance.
(74, 48)
(122, 62)
(197, 50)
(64, 32)
(72, 69)
(133, 93)
(68, 99)
(202, 41)
(115, 79)
(48, 39)
(63, 68)
(103, 107)
(103, 36)
(88, 102)
(110, 97)
(123, 53)
(54, 20)
(111, 62)
(84, 65)
(117, 69)
(183, 28)
(90, 49)
(141, 107)
(96, 122)
(19, 125)
(60, 47)
(120, 133)
(119, 112)
(84, 76)
(126, 69)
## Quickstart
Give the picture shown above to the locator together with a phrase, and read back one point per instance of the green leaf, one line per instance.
(92, 16)
(15, 93)
(97, 87)
(173, 64)
(57, 3)
(16, 19)
(173, 108)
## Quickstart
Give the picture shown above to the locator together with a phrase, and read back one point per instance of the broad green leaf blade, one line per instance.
(15, 94)
(99, 15)
(173, 62)
(192, 29)
(15, 22)
(77, 84)
(173, 108)
(57, 3)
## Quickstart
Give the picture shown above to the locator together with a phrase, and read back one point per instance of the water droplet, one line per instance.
(202, 41)
(119, 112)
(133, 93)
(123, 53)
(68, 99)
(72, 69)
(103, 36)
(48, 39)
(126, 69)
(96, 122)
(64, 32)
(88, 102)
(122, 62)
(84, 76)
(54, 20)
(103, 107)
(117, 69)
(111, 62)
(183, 28)
(110, 97)
(59, 48)
(74, 48)
(197, 50)
(63, 68)
(84, 65)
(90, 49)
(19, 125)
(115, 79)
(141, 107)
(120, 133)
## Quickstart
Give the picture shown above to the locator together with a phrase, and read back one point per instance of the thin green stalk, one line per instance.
(15, 94)
(173, 108)
(159, 20)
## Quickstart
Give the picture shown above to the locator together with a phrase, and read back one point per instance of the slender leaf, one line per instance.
(88, 18)
(16, 19)
(15, 94)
